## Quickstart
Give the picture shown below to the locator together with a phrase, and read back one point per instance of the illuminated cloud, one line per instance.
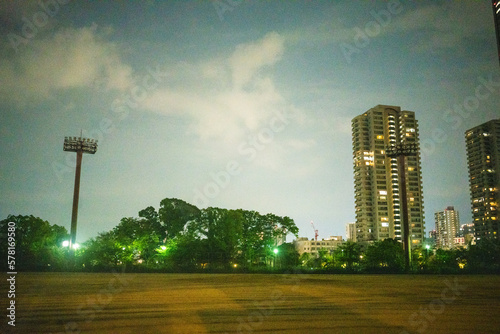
(71, 58)
(249, 58)
(234, 98)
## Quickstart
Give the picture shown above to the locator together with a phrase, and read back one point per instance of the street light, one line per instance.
(79, 145)
(275, 251)
(400, 151)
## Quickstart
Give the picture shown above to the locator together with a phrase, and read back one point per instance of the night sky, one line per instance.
(233, 104)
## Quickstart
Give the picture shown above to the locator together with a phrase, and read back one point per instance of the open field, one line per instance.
(252, 303)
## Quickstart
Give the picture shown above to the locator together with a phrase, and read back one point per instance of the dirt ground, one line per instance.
(251, 303)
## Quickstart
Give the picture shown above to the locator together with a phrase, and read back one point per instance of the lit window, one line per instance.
(380, 137)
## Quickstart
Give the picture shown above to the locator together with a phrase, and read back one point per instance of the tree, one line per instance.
(484, 256)
(140, 237)
(420, 258)
(387, 255)
(287, 256)
(38, 244)
(218, 233)
(305, 260)
(260, 234)
(103, 252)
(347, 255)
(175, 214)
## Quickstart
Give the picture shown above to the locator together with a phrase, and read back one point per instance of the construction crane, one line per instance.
(315, 231)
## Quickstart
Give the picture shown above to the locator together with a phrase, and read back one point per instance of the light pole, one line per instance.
(400, 151)
(79, 145)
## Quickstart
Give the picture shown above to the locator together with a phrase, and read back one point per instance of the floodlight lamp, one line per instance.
(275, 251)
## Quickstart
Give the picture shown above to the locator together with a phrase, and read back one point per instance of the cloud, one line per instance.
(250, 58)
(441, 26)
(71, 58)
(229, 97)
(431, 26)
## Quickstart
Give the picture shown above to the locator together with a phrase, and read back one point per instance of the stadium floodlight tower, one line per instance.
(400, 151)
(79, 145)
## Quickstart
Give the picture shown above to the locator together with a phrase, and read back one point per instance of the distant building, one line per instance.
(304, 245)
(459, 242)
(466, 229)
(376, 177)
(496, 19)
(433, 235)
(447, 227)
(467, 232)
(350, 230)
(483, 159)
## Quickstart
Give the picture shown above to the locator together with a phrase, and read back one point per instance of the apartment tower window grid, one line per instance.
(447, 227)
(376, 180)
(483, 159)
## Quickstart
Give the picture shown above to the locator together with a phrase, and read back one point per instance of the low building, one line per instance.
(459, 242)
(304, 245)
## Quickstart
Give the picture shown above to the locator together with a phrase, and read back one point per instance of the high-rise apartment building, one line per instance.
(483, 159)
(376, 177)
(496, 18)
(350, 230)
(447, 227)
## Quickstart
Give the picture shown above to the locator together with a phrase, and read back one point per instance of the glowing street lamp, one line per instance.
(400, 151)
(79, 145)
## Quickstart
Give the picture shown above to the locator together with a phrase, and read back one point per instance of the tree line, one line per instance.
(177, 237)
(387, 256)
(180, 237)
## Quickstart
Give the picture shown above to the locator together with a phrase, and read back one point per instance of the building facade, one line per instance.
(447, 227)
(483, 159)
(467, 232)
(304, 245)
(350, 230)
(376, 177)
